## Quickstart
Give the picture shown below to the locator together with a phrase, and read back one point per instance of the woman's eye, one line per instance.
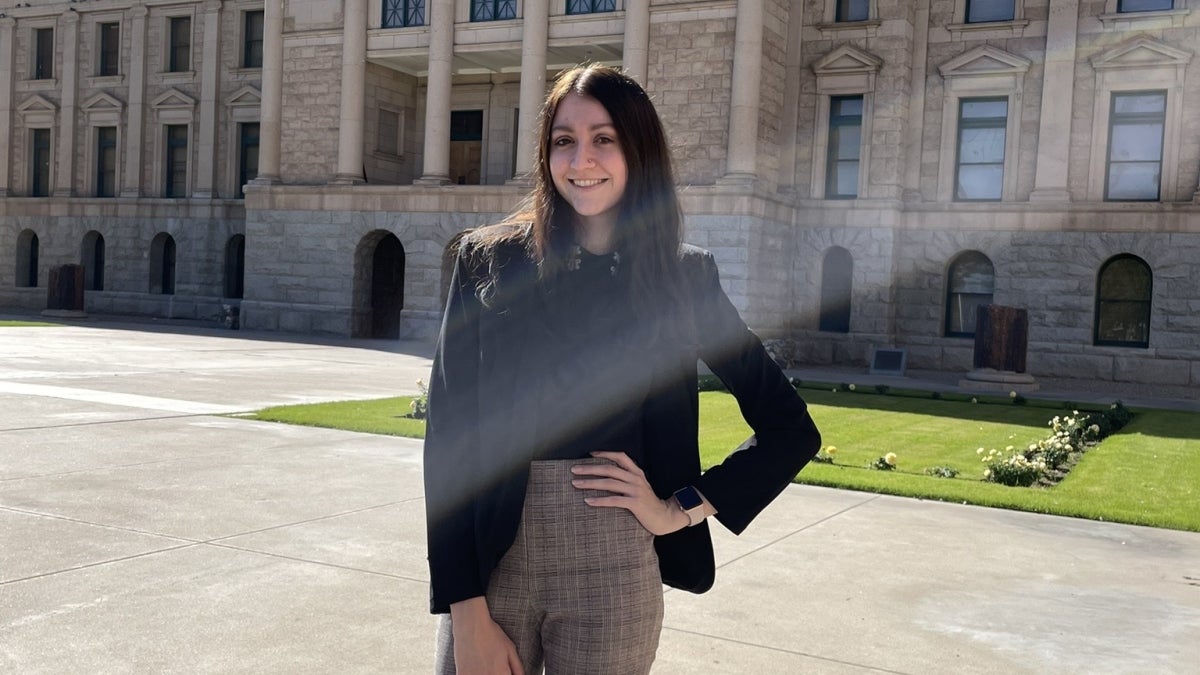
(603, 140)
(561, 140)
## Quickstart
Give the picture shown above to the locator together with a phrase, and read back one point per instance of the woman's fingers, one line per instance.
(621, 459)
(605, 484)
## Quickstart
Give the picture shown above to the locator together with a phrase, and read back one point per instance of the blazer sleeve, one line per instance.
(785, 437)
(452, 444)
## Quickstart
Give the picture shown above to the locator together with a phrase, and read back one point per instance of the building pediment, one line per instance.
(246, 96)
(1142, 52)
(984, 60)
(173, 98)
(37, 104)
(847, 59)
(101, 103)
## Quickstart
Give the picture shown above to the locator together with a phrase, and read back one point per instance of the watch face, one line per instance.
(688, 498)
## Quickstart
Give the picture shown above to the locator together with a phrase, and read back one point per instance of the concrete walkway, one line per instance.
(141, 533)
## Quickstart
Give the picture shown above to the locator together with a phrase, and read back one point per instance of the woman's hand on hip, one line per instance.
(481, 646)
(630, 490)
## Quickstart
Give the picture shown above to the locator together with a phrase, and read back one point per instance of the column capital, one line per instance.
(7, 22)
(138, 12)
(212, 6)
(70, 16)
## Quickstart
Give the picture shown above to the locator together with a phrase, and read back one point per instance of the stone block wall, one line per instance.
(689, 78)
(397, 92)
(312, 72)
(200, 234)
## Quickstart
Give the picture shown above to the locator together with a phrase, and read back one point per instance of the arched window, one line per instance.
(91, 256)
(836, 272)
(27, 259)
(1123, 302)
(969, 284)
(235, 266)
(162, 264)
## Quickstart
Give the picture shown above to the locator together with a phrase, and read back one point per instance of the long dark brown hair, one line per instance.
(650, 223)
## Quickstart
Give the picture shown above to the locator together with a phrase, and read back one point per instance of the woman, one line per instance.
(562, 472)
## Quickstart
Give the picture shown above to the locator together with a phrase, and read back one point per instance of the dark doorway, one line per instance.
(387, 288)
(235, 266)
(91, 256)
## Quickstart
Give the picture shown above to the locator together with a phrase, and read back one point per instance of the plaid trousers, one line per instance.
(579, 591)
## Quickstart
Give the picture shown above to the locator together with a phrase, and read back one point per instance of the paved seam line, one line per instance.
(65, 425)
(315, 562)
(113, 466)
(785, 651)
(99, 563)
(790, 534)
(80, 521)
(310, 520)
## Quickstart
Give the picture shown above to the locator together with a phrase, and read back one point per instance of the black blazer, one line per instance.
(483, 410)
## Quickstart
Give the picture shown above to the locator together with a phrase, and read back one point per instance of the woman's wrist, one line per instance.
(469, 611)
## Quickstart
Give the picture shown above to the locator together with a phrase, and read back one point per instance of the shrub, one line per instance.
(1012, 469)
(885, 463)
(941, 471)
(710, 383)
(419, 408)
(882, 388)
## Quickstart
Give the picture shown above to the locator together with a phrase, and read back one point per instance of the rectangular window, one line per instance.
(248, 157)
(982, 131)
(110, 49)
(591, 6)
(845, 142)
(403, 13)
(177, 156)
(43, 53)
(982, 11)
(252, 39)
(106, 161)
(389, 132)
(1135, 145)
(180, 58)
(493, 10)
(39, 181)
(1144, 5)
(852, 10)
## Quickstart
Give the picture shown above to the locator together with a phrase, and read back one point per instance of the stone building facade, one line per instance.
(866, 172)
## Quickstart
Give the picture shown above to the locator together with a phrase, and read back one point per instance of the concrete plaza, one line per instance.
(143, 532)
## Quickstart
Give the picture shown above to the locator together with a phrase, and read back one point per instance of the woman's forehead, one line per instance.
(576, 110)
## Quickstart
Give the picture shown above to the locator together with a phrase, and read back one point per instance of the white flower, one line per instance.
(890, 458)
(851, 387)
(974, 400)
(979, 451)
(987, 473)
(1095, 428)
(1012, 394)
(831, 450)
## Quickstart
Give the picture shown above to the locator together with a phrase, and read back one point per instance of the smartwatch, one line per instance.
(691, 503)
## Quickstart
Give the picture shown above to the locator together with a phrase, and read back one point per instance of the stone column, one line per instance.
(914, 134)
(635, 53)
(271, 107)
(791, 101)
(535, 33)
(64, 176)
(743, 108)
(6, 108)
(206, 157)
(436, 170)
(353, 100)
(131, 186)
(1054, 129)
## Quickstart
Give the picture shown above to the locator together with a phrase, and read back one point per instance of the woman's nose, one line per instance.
(582, 156)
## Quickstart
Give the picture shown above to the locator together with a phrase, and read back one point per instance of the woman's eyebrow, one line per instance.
(594, 127)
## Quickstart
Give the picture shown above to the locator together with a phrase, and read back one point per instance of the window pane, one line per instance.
(963, 311)
(1136, 142)
(852, 10)
(847, 105)
(1133, 181)
(40, 180)
(983, 181)
(1143, 5)
(989, 10)
(976, 108)
(181, 44)
(1123, 322)
(252, 49)
(1152, 102)
(980, 146)
(43, 63)
(110, 40)
(846, 142)
(1125, 279)
(847, 179)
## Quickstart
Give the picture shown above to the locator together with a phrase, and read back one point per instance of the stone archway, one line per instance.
(379, 263)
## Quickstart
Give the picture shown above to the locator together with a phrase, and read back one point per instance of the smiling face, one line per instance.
(587, 164)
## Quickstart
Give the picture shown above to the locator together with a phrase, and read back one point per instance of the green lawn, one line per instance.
(7, 323)
(1148, 474)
